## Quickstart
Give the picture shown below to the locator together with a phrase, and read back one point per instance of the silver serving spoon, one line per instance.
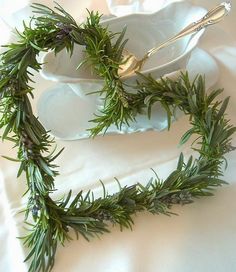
(131, 64)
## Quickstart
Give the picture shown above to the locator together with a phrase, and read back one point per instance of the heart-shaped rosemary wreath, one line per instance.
(56, 30)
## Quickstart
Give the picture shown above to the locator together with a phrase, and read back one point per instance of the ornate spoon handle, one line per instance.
(212, 17)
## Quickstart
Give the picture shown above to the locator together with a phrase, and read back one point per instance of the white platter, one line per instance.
(66, 115)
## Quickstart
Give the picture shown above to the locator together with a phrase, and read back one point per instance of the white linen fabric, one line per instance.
(202, 238)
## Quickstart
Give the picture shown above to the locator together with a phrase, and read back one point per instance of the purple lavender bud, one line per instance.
(35, 211)
(60, 25)
(64, 28)
(60, 36)
(67, 29)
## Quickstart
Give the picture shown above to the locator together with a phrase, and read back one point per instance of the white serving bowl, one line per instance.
(144, 31)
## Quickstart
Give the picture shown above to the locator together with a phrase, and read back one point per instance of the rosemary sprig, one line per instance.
(87, 216)
(105, 56)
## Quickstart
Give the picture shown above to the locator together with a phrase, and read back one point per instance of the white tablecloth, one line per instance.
(201, 238)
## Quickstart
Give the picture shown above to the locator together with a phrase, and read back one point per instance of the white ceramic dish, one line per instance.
(66, 115)
(144, 31)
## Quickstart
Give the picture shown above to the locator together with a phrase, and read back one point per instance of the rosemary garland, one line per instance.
(87, 216)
